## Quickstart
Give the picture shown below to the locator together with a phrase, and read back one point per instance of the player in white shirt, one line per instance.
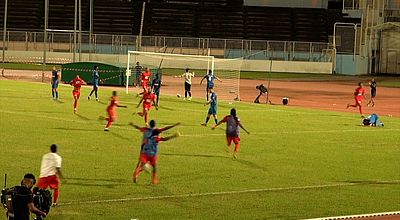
(50, 172)
(188, 83)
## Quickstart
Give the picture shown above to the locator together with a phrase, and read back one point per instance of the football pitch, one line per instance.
(296, 163)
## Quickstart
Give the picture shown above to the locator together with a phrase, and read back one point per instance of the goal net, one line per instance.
(167, 65)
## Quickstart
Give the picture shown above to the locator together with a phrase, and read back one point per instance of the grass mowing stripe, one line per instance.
(206, 135)
(225, 193)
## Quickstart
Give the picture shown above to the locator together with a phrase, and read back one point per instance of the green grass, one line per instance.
(300, 163)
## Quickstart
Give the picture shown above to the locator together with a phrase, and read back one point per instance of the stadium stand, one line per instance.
(182, 18)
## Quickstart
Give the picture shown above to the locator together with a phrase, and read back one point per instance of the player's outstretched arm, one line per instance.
(135, 126)
(170, 137)
(141, 100)
(240, 125)
(218, 79)
(201, 81)
(169, 127)
(218, 124)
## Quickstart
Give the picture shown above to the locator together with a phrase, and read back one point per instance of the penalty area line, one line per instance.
(381, 214)
(192, 195)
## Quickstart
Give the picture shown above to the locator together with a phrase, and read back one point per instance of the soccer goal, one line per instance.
(167, 65)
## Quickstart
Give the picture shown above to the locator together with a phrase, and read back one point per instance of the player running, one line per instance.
(232, 130)
(149, 148)
(95, 82)
(373, 85)
(155, 86)
(145, 79)
(359, 95)
(148, 99)
(77, 83)
(112, 111)
(210, 77)
(55, 80)
(188, 83)
(213, 107)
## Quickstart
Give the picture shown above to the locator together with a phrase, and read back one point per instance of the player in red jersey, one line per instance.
(232, 130)
(149, 148)
(77, 83)
(145, 79)
(112, 111)
(148, 99)
(359, 95)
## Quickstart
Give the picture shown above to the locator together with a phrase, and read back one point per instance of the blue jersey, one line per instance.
(156, 84)
(210, 80)
(95, 77)
(150, 141)
(54, 75)
(213, 100)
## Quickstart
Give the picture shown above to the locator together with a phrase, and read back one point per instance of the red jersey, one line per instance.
(77, 83)
(113, 103)
(359, 93)
(145, 77)
(148, 99)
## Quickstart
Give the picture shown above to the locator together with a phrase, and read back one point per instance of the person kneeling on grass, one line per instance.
(372, 120)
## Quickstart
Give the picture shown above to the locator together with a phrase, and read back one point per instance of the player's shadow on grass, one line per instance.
(251, 164)
(119, 136)
(194, 155)
(76, 129)
(59, 101)
(101, 102)
(113, 180)
(82, 117)
(107, 183)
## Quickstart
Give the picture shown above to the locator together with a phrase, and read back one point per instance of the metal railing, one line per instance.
(120, 44)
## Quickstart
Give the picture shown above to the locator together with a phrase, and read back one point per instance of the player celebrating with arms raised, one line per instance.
(213, 107)
(148, 99)
(232, 130)
(359, 95)
(149, 150)
(210, 77)
(111, 110)
(77, 84)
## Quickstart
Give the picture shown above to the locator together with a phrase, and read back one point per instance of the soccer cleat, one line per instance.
(75, 110)
(97, 99)
(106, 129)
(54, 204)
(88, 98)
(190, 98)
(204, 124)
(348, 105)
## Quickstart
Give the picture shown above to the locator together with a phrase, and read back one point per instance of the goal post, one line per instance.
(168, 65)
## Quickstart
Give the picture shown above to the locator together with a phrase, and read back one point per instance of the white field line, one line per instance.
(382, 214)
(191, 195)
(367, 129)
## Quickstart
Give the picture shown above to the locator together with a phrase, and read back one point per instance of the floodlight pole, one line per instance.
(80, 29)
(75, 18)
(4, 35)
(90, 29)
(139, 41)
(46, 18)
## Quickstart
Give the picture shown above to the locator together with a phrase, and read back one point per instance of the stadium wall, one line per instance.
(120, 60)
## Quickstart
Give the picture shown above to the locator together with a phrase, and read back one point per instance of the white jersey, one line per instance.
(188, 77)
(50, 162)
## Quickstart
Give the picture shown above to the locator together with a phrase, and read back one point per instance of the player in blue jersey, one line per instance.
(210, 77)
(149, 148)
(55, 80)
(95, 82)
(156, 85)
(213, 107)
(233, 126)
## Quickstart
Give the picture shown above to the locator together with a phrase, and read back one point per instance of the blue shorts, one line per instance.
(212, 110)
(54, 85)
